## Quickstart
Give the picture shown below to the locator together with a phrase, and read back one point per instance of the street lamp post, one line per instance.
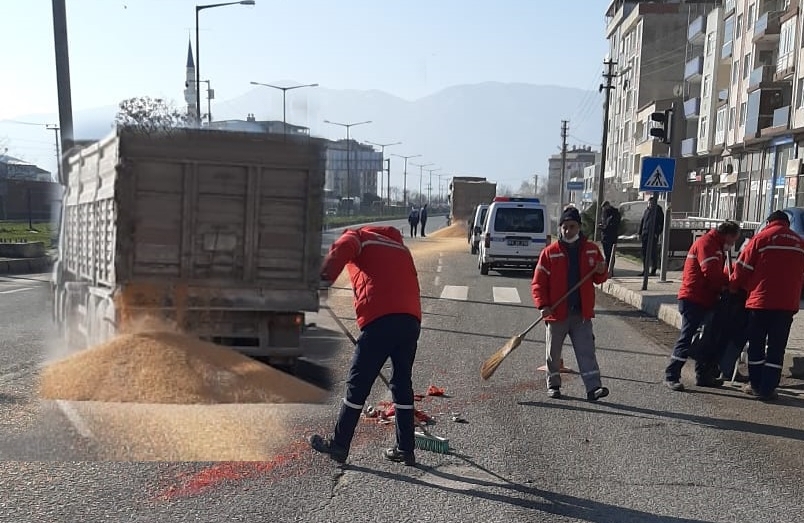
(405, 178)
(210, 95)
(421, 167)
(430, 186)
(198, 9)
(382, 147)
(284, 100)
(348, 153)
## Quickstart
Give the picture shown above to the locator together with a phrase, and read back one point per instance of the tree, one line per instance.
(150, 114)
(526, 188)
(588, 220)
(504, 190)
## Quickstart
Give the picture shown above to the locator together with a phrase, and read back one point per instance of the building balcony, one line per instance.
(722, 96)
(779, 123)
(727, 50)
(760, 76)
(767, 28)
(728, 7)
(785, 66)
(696, 33)
(693, 70)
(689, 147)
(692, 108)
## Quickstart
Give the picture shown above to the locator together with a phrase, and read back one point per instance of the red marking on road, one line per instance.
(193, 484)
(224, 472)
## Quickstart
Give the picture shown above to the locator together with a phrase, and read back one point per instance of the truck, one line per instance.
(217, 231)
(465, 194)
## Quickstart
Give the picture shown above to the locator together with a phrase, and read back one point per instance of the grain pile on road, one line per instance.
(163, 366)
(456, 230)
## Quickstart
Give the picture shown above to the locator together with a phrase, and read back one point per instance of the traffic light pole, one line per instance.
(668, 201)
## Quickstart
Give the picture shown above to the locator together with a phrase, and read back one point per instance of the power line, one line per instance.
(23, 123)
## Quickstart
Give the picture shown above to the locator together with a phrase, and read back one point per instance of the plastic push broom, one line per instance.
(422, 440)
(491, 365)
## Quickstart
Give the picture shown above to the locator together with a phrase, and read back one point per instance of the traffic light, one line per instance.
(663, 131)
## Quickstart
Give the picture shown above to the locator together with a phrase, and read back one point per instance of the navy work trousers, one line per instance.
(394, 336)
(692, 317)
(773, 328)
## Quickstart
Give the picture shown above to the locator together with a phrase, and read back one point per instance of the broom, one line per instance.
(490, 366)
(422, 440)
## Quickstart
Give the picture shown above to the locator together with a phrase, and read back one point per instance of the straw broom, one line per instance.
(490, 366)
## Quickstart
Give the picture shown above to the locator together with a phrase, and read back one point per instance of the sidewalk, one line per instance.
(660, 302)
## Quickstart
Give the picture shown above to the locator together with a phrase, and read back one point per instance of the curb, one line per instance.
(793, 359)
(26, 265)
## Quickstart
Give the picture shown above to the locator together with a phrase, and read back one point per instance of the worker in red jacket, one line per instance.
(702, 283)
(771, 270)
(388, 307)
(561, 266)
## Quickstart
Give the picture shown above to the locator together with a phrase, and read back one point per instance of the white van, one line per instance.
(514, 234)
(476, 230)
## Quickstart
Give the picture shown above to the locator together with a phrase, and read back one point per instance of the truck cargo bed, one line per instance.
(234, 219)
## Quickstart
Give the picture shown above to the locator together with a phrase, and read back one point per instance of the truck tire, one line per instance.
(484, 269)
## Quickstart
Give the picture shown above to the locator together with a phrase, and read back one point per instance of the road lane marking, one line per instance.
(11, 291)
(438, 269)
(455, 292)
(75, 419)
(506, 295)
(437, 281)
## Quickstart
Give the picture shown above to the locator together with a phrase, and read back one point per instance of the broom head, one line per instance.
(490, 366)
(424, 441)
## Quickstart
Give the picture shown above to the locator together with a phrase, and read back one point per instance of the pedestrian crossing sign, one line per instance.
(657, 174)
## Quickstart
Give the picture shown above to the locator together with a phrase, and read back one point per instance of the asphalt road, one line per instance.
(644, 454)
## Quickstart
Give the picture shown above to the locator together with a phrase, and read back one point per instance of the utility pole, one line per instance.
(63, 81)
(609, 75)
(405, 177)
(388, 180)
(535, 185)
(55, 129)
(564, 130)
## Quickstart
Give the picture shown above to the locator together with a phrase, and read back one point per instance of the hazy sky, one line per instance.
(410, 48)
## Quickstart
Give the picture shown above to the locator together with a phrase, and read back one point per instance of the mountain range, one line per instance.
(503, 131)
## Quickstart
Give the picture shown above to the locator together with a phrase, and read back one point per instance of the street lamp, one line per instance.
(382, 147)
(405, 179)
(210, 96)
(430, 187)
(198, 9)
(421, 167)
(348, 153)
(284, 100)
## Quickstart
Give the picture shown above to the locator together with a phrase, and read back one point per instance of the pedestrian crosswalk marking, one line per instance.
(657, 180)
(12, 291)
(455, 292)
(506, 295)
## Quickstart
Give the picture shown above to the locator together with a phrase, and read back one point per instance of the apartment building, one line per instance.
(648, 41)
(752, 80)
(578, 157)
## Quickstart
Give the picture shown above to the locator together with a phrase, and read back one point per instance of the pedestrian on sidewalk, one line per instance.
(702, 283)
(413, 220)
(423, 218)
(610, 229)
(653, 215)
(771, 270)
(561, 266)
(388, 308)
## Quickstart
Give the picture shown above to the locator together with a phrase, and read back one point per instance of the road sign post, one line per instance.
(657, 175)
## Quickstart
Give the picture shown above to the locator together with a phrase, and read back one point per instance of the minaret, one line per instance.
(189, 84)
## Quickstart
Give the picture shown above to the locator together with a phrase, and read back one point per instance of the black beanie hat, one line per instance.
(570, 214)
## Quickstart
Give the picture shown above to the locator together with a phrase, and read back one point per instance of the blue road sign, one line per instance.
(657, 174)
(575, 186)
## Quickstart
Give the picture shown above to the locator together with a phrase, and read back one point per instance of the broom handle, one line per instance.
(351, 337)
(558, 301)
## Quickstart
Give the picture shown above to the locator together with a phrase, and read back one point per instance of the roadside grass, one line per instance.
(13, 232)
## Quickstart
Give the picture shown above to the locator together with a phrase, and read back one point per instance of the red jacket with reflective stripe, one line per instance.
(381, 268)
(550, 279)
(704, 277)
(771, 269)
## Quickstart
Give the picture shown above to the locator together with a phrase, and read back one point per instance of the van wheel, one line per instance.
(484, 269)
